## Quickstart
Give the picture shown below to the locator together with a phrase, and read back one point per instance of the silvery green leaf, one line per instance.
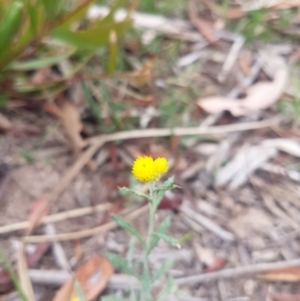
(119, 263)
(79, 291)
(126, 190)
(167, 264)
(168, 239)
(125, 225)
(160, 191)
(163, 227)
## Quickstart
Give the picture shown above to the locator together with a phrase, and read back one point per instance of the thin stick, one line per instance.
(231, 57)
(83, 233)
(56, 217)
(237, 272)
(220, 129)
(59, 277)
(206, 222)
(25, 282)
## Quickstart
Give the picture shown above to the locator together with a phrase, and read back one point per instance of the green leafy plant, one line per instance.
(145, 169)
(53, 34)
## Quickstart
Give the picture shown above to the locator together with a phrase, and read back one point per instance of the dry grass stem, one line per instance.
(56, 217)
(84, 233)
(237, 272)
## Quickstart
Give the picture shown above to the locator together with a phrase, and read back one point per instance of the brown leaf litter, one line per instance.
(237, 219)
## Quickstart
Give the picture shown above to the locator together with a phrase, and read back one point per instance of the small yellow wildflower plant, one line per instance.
(147, 170)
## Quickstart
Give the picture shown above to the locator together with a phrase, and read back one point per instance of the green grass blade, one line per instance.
(40, 62)
(113, 52)
(12, 275)
(10, 24)
(92, 38)
(52, 8)
(32, 13)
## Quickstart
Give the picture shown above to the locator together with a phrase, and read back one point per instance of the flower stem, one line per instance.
(146, 289)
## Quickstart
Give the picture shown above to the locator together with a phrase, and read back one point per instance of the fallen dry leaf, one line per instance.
(205, 255)
(34, 257)
(144, 75)
(218, 104)
(92, 277)
(38, 210)
(5, 282)
(70, 119)
(259, 96)
(263, 95)
(205, 28)
(245, 162)
(289, 146)
(217, 264)
(284, 297)
(282, 275)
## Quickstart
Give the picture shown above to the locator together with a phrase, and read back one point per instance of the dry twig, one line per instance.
(83, 233)
(206, 223)
(237, 272)
(56, 217)
(23, 272)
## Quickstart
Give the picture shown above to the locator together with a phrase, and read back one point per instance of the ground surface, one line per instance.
(239, 201)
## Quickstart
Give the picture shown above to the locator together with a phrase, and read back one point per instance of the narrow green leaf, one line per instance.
(74, 16)
(125, 190)
(163, 227)
(40, 62)
(168, 239)
(112, 52)
(33, 16)
(79, 291)
(53, 8)
(167, 264)
(125, 225)
(120, 263)
(168, 290)
(10, 24)
(146, 282)
(92, 38)
(160, 191)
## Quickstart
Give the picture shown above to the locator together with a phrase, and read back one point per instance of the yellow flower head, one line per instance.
(145, 169)
(161, 165)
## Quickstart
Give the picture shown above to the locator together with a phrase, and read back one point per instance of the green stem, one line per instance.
(146, 290)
